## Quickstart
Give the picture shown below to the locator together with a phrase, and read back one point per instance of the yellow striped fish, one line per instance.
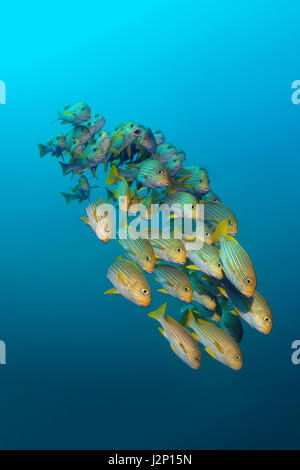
(129, 281)
(122, 190)
(194, 179)
(215, 212)
(236, 263)
(206, 260)
(254, 310)
(183, 344)
(169, 249)
(182, 203)
(174, 282)
(101, 220)
(219, 344)
(140, 251)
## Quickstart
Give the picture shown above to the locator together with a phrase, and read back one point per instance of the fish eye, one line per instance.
(179, 250)
(219, 265)
(160, 172)
(267, 319)
(248, 281)
(147, 258)
(229, 221)
(193, 206)
(215, 200)
(186, 289)
(237, 357)
(144, 291)
(206, 234)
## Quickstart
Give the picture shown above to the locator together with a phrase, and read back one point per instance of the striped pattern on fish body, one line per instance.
(215, 212)
(129, 281)
(75, 113)
(81, 133)
(194, 179)
(174, 282)
(141, 252)
(169, 249)
(219, 344)
(207, 260)
(201, 294)
(182, 343)
(81, 164)
(236, 262)
(95, 124)
(100, 219)
(164, 152)
(152, 174)
(257, 313)
(123, 137)
(195, 239)
(182, 200)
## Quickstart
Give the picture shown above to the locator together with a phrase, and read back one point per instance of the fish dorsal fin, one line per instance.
(221, 230)
(194, 336)
(159, 313)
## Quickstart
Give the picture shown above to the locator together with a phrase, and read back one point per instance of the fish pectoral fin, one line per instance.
(193, 266)
(209, 351)
(162, 331)
(172, 347)
(162, 290)
(219, 348)
(86, 220)
(111, 291)
(194, 336)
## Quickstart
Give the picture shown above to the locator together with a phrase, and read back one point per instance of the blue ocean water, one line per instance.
(86, 370)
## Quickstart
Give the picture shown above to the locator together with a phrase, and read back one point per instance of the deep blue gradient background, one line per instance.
(86, 370)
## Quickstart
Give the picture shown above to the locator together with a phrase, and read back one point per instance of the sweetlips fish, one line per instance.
(206, 260)
(174, 282)
(123, 137)
(193, 179)
(129, 281)
(166, 248)
(159, 136)
(79, 132)
(218, 344)
(150, 173)
(101, 220)
(236, 263)
(75, 113)
(103, 141)
(199, 311)
(169, 156)
(230, 322)
(215, 212)
(182, 342)
(138, 249)
(182, 202)
(56, 146)
(143, 147)
(95, 124)
(121, 193)
(92, 157)
(254, 310)
(81, 191)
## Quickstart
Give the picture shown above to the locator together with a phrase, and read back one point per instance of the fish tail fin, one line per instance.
(86, 220)
(68, 197)
(188, 318)
(64, 167)
(159, 313)
(220, 231)
(42, 149)
(113, 175)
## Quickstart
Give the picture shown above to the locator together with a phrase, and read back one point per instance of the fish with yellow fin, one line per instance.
(101, 220)
(182, 342)
(218, 344)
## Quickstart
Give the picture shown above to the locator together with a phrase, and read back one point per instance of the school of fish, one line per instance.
(214, 283)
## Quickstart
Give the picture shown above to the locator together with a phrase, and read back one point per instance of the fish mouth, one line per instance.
(138, 132)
